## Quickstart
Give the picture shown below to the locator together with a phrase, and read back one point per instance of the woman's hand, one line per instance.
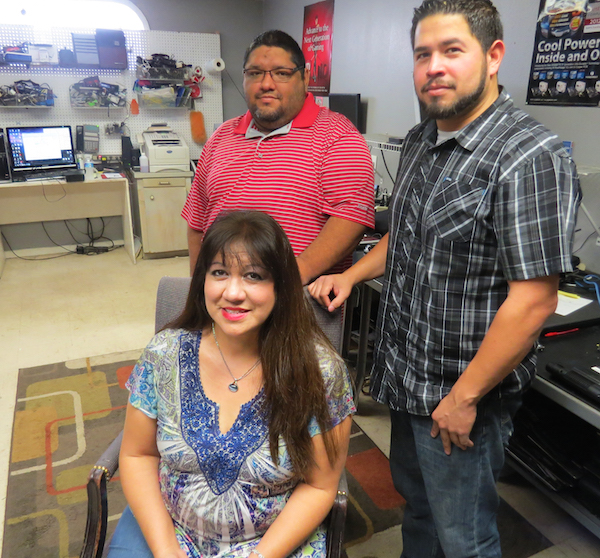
(310, 501)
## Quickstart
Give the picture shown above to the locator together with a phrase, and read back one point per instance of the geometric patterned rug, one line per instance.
(67, 414)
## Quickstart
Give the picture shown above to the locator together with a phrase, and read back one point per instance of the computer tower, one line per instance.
(130, 156)
(4, 166)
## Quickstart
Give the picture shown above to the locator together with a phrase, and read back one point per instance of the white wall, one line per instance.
(238, 22)
(371, 56)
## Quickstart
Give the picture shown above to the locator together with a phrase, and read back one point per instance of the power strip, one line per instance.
(108, 159)
(91, 250)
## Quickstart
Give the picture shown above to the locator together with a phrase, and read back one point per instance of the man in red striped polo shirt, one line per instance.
(304, 165)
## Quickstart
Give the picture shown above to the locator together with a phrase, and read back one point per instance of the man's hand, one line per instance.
(453, 421)
(321, 290)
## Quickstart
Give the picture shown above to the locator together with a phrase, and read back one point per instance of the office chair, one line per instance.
(170, 300)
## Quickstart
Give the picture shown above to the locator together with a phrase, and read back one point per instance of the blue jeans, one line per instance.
(128, 540)
(451, 501)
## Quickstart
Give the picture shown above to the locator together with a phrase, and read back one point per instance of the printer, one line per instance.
(164, 148)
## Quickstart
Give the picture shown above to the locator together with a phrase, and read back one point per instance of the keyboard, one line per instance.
(43, 177)
(39, 176)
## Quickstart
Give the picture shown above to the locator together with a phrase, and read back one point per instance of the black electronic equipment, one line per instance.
(87, 139)
(4, 172)
(112, 53)
(130, 156)
(35, 149)
(79, 139)
(350, 106)
(66, 58)
(76, 175)
(583, 380)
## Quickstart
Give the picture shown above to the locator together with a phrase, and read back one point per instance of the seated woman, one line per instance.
(239, 412)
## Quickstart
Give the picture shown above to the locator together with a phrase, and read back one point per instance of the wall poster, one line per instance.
(566, 57)
(317, 40)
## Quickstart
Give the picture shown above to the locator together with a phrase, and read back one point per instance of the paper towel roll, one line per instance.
(215, 66)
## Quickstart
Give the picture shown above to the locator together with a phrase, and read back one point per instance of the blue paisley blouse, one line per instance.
(223, 491)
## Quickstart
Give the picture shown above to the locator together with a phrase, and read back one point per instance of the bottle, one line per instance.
(144, 164)
(89, 167)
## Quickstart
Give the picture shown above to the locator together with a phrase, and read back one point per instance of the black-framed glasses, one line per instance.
(278, 75)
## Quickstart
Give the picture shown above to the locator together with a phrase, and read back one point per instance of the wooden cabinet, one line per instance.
(160, 198)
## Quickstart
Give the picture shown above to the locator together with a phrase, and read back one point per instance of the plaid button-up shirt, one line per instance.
(496, 203)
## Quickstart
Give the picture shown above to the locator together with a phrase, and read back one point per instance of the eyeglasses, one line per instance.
(278, 75)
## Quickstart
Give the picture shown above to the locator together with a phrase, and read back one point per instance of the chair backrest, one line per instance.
(170, 299)
(172, 294)
(332, 323)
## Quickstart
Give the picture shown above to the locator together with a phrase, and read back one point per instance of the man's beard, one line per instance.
(267, 115)
(460, 106)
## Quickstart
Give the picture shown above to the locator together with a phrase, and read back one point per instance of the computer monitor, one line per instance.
(349, 105)
(40, 148)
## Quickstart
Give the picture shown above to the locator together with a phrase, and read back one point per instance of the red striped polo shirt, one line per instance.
(321, 167)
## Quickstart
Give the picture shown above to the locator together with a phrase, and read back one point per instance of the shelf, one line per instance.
(176, 75)
(26, 107)
(562, 499)
(112, 107)
(571, 402)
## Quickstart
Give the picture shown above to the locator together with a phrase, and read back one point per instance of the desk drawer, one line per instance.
(166, 182)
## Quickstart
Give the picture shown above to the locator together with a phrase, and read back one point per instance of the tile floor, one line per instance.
(78, 306)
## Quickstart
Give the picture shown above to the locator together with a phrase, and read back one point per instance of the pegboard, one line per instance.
(196, 49)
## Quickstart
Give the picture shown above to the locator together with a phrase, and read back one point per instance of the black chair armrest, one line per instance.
(97, 516)
(336, 520)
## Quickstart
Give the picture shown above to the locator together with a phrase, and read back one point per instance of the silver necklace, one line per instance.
(233, 385)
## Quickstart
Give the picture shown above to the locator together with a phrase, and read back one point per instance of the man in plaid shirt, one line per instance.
(481, 225)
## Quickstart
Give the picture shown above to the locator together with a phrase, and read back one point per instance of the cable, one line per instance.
(53, 201)
(575, 250)
(594, 280)
(90, 231)
(55, 243)
(234, 84)
(587, 214)
(386, 167)
(72, 236)
(92, 238)
(101, 236)
(35, 259)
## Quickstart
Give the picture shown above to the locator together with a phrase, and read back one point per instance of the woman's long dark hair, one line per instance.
(293, 383)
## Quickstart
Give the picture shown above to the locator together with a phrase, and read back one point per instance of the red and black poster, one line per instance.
(566, 58)
(317, 39)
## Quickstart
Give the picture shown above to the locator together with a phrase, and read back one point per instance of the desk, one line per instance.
(32, 202)
(577, 349)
